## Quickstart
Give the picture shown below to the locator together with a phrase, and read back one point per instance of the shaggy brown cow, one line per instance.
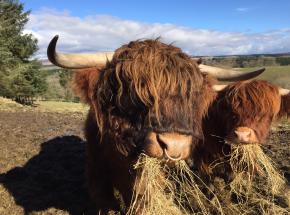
(149, 98)
(241, 113)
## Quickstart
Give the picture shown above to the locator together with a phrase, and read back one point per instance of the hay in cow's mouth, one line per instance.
(191, 193)
(249, 164)
(153, 193)
(161, 189)
(177, 190)
(256, 181)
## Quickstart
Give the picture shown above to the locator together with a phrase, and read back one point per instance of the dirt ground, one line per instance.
(42, 162)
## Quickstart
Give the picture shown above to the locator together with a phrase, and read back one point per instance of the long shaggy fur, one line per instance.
(253, 104)
(252, 178)
(84, 83)
(251, 99)
(147, 86)
(143, 73)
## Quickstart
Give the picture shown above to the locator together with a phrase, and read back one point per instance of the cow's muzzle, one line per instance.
(243, 135)
(168, 145)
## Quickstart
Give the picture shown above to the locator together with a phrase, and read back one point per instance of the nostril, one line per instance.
(162, 144)
(236, 134)
(243, 135)
(164, 147)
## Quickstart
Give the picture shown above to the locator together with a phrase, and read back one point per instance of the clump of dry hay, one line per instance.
(177, 190)
(191, 193)
(170, 190)
(153, 192)
(249, 161)
(256, 181)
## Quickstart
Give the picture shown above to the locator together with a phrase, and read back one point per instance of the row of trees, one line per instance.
(20, 78)
(248, 61)
(59, 86)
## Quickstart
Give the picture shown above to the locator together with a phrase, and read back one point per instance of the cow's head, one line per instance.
(248, 109)
(146, 97)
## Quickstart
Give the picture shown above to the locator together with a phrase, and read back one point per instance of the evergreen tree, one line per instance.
(19, 77)
(27, 82)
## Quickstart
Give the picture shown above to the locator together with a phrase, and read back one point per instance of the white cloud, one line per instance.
(106, 33)
(242, 9)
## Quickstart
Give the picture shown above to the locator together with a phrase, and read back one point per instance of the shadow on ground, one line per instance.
(52, 179)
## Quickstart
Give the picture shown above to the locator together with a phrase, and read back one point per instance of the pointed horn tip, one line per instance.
(51, 49)
(261, 70)
(258, 71)
(283, 92)
(245, 76)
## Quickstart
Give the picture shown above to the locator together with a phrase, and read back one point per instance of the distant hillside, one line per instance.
(287, 54)
(234, 61)
(59, 87)
(47, 65)
(243, 61)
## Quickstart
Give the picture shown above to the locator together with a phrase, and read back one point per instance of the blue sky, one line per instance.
(224, 15)
(262, 22)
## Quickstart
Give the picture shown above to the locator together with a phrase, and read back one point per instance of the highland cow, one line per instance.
(147, 97)
(241, 113)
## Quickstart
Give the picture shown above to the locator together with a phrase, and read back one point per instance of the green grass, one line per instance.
(44, 106)
(283, 124)
(57, 106)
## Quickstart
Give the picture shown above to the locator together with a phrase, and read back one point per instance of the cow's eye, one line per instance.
(235, 118)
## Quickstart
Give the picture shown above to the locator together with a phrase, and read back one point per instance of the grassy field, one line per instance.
(44, 106)
(57, 106)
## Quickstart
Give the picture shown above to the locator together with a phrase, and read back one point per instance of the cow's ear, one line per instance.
(285, 106)
(85, 82)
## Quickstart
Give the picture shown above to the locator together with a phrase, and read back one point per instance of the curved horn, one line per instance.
(229, 75)
(76, 61)
(283, 92)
